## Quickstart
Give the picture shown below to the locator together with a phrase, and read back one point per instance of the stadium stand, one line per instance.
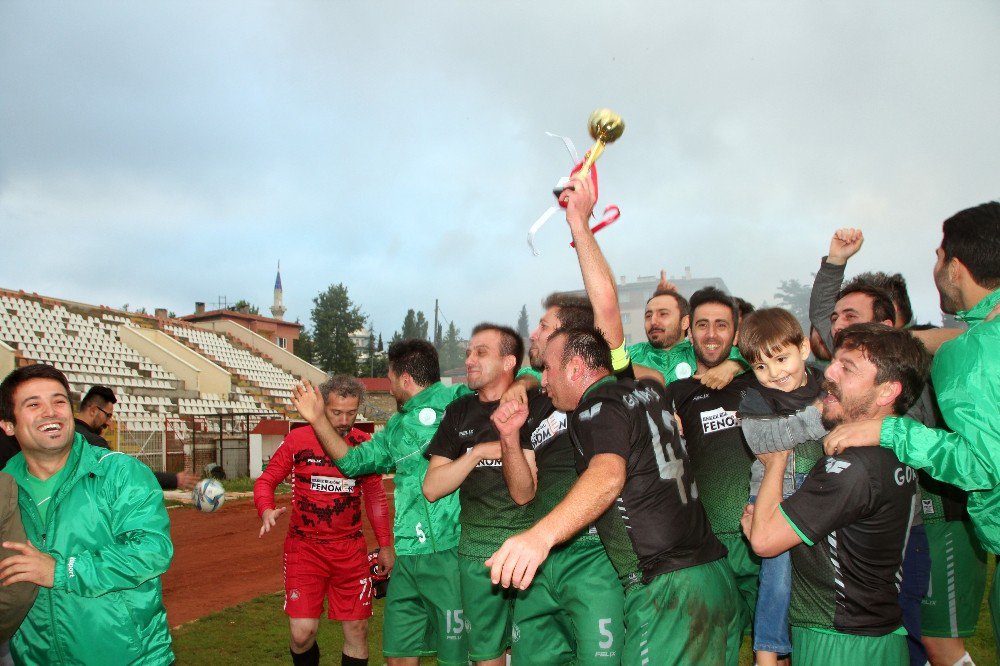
(214, 384)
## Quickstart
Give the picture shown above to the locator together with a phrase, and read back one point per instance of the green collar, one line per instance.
(600, 382)
(978, 312)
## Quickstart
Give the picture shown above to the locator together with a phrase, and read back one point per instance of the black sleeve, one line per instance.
(167, 480)
(445, 441)
(834, 495)
(628, 372)
(604, 428)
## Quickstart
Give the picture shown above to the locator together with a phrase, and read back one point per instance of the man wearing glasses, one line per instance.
(96, 411)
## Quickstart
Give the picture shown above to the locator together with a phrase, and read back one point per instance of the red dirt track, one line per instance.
(219, 561)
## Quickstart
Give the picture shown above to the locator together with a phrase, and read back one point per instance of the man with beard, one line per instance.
(667, 354)
(98, 536)
(847, 525)
(966, 378)
(325, 556)
(423, 606)
(573, 610)
(720, 458)
(681, 604)
(465, 454)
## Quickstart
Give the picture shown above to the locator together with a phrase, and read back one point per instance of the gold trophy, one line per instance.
(605, 127)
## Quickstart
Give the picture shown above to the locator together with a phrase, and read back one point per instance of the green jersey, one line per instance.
(678, 362)
(419, 526)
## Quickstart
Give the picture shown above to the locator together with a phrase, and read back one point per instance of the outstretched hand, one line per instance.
(517, 560)
(269, 519)
(308, 401)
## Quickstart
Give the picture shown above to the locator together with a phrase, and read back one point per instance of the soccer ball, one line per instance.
(208, 495)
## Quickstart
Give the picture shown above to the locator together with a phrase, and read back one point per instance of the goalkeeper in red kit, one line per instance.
(325, 554)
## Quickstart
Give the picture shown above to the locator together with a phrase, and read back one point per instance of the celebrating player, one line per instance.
(325, 554)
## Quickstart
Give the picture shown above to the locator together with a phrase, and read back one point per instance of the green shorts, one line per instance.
(958, 579)
(819, 648)
(423, 609)
(746, 568)
(688, 616)
(573, 611)
(489, 610)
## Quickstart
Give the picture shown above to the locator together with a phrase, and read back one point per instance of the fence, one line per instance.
(197, 441)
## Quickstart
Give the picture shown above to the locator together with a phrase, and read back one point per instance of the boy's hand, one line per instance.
(845, 244)
(308, 401)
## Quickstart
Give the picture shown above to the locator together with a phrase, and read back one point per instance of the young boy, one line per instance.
(772, 342)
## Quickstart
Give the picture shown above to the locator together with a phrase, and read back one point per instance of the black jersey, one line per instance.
(720, 457)
(853, 512)
(658, 524)
(546, 431)
(488, 514)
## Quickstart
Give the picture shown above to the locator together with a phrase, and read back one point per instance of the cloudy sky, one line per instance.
(162, 153)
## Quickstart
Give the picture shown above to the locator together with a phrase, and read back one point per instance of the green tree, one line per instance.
(334, 318)
(245, 307)
(522, 322)
(794, 297)
(414, 326)
(303, 347)
(452, 354)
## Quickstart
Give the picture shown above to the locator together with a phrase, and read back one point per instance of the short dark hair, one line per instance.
(896, 355)
(682, 303)
(574, 310)
(20, 376)
(99, 396)
(417, 358)
(882, 307)
(343, 385)
(894, 285)
(715, 295)
(765, 331)
(745, 307)
(588, 343)
(973, 237)
(511, 344)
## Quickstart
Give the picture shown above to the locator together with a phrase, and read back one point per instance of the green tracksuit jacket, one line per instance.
(420, 527)
(966, 375)
(109, 533)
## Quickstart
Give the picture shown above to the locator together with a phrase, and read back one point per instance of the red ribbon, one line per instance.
(611, 213)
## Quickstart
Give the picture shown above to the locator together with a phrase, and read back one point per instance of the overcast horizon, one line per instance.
(163, 153)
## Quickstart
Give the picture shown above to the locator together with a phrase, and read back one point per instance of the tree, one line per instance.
(522, 322)
(414, 326)
(452, 354)
(380, 346)
(303, 347)
(334, 318)
(794, 297)
(244, 306)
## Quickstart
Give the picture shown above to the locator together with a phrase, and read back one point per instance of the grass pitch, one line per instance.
(256, 632)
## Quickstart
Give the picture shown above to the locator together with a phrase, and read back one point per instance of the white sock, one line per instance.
(966, 660)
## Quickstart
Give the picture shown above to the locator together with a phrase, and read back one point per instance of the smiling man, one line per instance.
(465, 454)
(846, 525)
(98, 536)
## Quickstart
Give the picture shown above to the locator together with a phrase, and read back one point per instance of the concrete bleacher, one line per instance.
(255, 371)
(85, 343)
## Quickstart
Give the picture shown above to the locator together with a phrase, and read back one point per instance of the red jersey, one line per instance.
(326, 505)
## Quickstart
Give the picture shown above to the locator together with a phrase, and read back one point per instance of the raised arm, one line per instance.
(519, 469)
(598, 279)
(845, 244)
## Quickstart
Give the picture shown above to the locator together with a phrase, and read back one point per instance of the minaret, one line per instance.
(278, 309)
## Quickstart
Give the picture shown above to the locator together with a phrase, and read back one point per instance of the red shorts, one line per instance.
(337, 571)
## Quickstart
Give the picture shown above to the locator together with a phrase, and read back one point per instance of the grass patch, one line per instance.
(244, 484)
(256, 632)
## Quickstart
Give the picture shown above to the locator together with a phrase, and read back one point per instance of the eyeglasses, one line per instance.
(110, 415)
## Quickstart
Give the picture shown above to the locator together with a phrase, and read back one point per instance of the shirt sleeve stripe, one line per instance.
(802, 536)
